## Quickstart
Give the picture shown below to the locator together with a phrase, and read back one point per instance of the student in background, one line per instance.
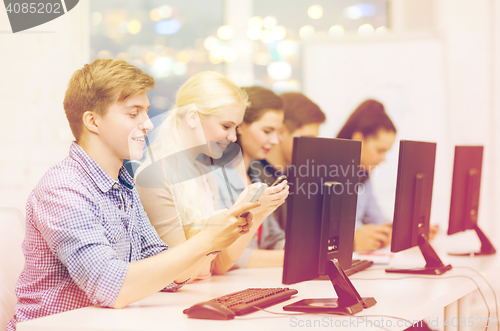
(88, 241)
(203, 124)
(302, 118)
(257, 135)
(370, 124)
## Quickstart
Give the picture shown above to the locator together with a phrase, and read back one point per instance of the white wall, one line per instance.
(406, 75)
(464, 111)
(35, 68)
(468, 30)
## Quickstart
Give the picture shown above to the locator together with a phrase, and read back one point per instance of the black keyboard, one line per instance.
(356, 266)
(244, 302)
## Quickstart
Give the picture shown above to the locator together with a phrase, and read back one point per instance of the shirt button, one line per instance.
(119, 206)
(115, 186)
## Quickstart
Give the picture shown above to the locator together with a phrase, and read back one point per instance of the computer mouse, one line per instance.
(209, 310)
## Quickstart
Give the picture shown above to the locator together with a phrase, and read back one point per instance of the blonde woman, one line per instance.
(179, 192)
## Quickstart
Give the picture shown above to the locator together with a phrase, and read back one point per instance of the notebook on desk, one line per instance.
(380, 257)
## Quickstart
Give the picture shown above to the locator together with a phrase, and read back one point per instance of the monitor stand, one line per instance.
(487, 247)
(349, 301)
(433, 266)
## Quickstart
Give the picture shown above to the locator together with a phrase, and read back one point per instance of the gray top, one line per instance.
(272, 236)
(368, 210)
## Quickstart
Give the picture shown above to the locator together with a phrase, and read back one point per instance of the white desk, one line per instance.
(411, 299)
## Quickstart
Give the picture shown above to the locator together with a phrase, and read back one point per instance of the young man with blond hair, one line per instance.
(88, 240)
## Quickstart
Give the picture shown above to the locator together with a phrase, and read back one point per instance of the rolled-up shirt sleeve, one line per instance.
(84, 242)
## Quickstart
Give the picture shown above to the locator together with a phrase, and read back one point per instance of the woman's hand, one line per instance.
(225, 227)
(272, 198)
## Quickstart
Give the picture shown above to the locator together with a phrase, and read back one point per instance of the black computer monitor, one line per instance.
(412, 209)
(321, 215)
(465, 189)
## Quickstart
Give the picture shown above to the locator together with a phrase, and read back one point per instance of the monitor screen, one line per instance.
(465, 188)
(412, 209)
(310, 245)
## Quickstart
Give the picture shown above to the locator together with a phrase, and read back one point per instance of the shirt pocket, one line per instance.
(114, 230)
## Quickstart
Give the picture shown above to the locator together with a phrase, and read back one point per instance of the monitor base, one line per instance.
(422, 271)
(433, 265)
(349, 301)
(472, 254)
(329, 306)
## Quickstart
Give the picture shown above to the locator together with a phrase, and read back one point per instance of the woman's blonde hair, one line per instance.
(210, 93)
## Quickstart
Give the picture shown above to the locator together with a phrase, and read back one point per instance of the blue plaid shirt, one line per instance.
(82, 231)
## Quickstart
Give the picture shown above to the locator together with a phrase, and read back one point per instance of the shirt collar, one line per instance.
(234, 178)
(364, 176)
(96, 173)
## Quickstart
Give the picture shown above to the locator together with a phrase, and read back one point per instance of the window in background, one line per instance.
(280, 26)
(175, 39)
(171, 40)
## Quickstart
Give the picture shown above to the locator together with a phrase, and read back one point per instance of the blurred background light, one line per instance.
(255, 22)
(286, 86)
(162, 67)
(165, 11)
(168, 27)
(262, 59)
(224, 32)
(360, 10)
(306, 32)
(179, 69)
(365, 29)
(315, 12)
(286, 48)
(154, 15)
(254, 33)
(104, 54)
(122, 27)
(336, 30)
(230, 55)
(211, 43)
(266, 36)
(150, 57)
(134, 27)
(269, 22)
(278, 32)
(184, 57)
(381, 30)
(279, 70)
(160, 102)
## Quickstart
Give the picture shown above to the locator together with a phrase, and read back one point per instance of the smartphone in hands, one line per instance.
(257, 193)
(279, 180)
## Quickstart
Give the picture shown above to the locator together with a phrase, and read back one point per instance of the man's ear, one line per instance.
(282, 132)
(358, 136)
(241, 127)
(90, 121)
(192, 118)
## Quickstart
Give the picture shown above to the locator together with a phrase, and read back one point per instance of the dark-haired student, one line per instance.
(256, 136)
(371, 125)
(88, 240)
(302, 118)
